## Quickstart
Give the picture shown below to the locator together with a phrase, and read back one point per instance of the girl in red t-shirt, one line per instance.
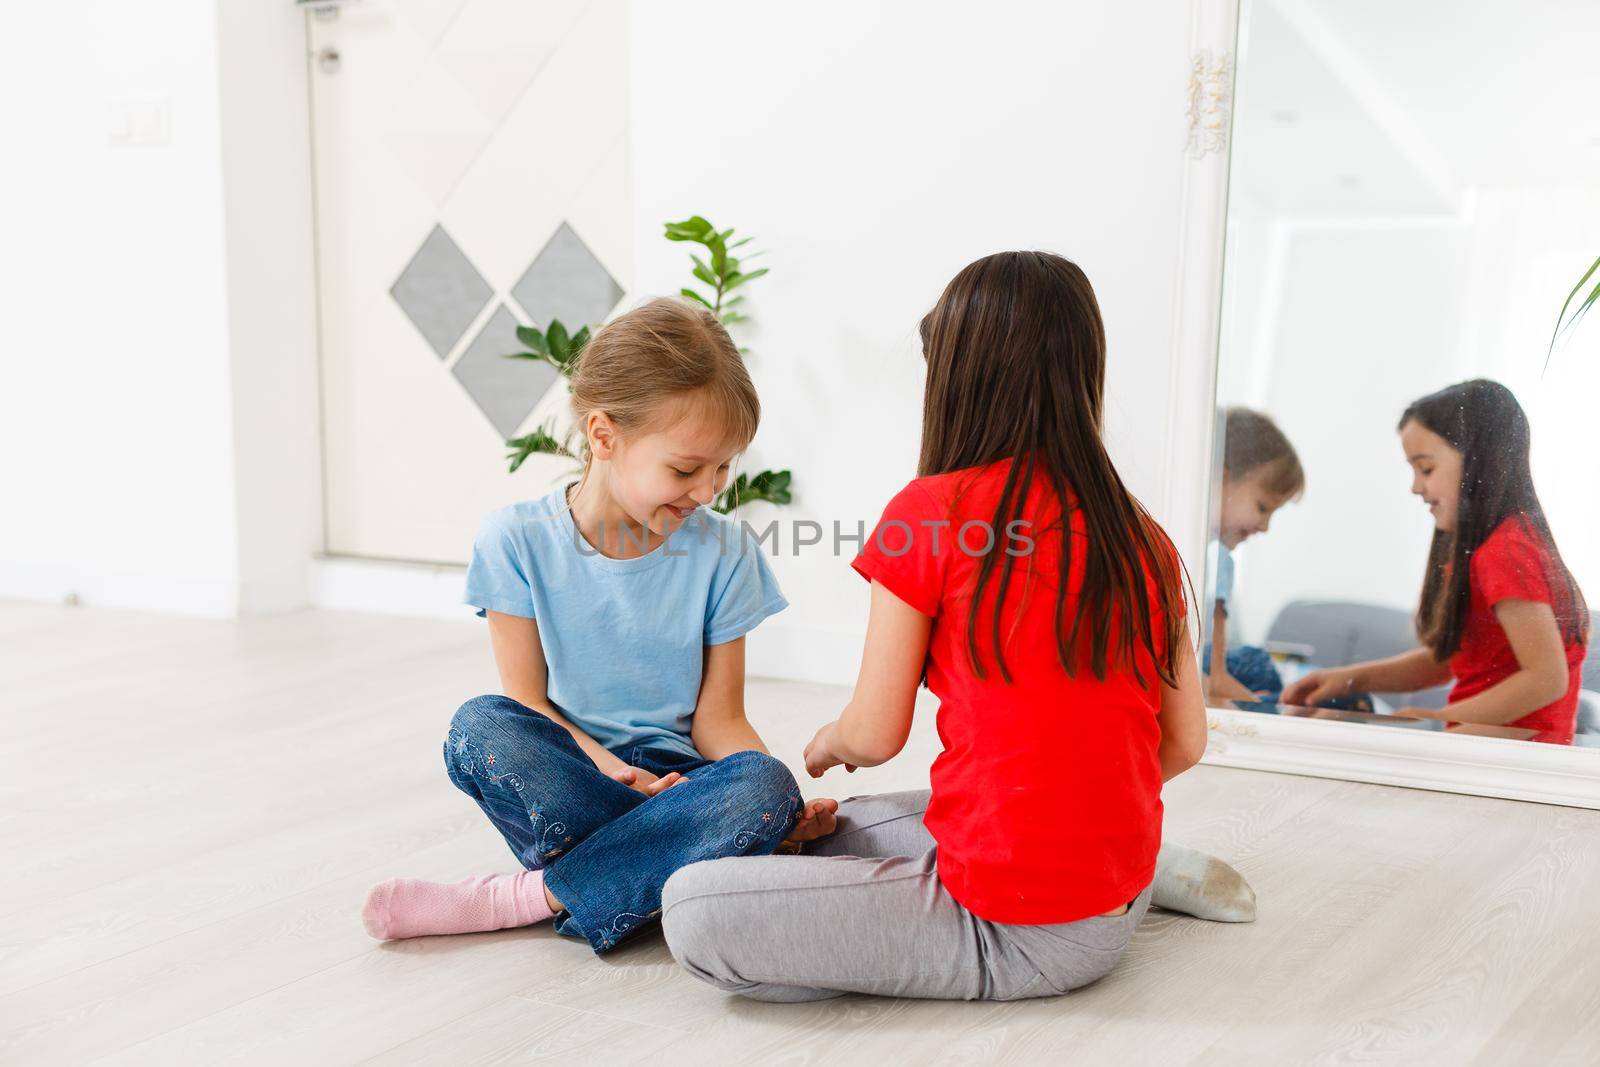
(1045, 608)
(1500, 613)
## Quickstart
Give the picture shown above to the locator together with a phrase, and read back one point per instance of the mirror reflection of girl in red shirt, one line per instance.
(1500, 614)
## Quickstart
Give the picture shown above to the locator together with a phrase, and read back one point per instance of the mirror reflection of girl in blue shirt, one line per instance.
(1260, 474)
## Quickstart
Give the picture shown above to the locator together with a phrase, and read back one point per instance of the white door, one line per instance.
(471, 163)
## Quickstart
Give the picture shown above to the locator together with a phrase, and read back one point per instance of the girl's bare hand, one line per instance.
(642, 781)
(819, 756)
(1316, 687)
(1410, 712)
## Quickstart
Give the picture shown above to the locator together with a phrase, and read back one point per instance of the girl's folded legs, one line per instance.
(602, 849)
(1186, 881)
(410, 907)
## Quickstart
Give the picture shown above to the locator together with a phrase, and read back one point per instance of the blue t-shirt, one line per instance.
(1222, 571)
(624, 639)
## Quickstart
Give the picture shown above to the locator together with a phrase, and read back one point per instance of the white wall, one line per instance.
(117, 449)
(1352, 320)
(873, 150)
(122, 297)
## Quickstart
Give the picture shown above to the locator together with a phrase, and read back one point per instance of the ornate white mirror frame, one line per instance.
(1483, 766)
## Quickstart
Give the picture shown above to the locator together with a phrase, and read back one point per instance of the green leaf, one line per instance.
(733, 301)
(741, 241)
(1568, 303)
(771, 486)
(539, 442)
(575, 346)
(1588, 302)
(532, 338)
(728, 318)
(692, 295)
(556, 337)
(732, 283)
(703, 271)
(1579, 312)
(693, 228)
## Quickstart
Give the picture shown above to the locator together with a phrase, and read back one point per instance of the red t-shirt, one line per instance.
(1047, 797)
(1514, 564)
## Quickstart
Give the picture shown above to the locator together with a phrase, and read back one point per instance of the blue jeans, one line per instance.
(607, 849)
(1251, 667)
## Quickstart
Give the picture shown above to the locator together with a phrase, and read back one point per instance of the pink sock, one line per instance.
(410, 907)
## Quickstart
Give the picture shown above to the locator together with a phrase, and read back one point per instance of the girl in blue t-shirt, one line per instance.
(1261, 472)
(617, 609)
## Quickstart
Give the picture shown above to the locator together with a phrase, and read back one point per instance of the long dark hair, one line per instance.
(1016, 357)
(1483, 421)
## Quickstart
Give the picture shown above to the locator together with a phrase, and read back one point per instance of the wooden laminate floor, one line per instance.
(194, 809)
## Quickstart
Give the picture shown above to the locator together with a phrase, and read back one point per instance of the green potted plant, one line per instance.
(723, 273)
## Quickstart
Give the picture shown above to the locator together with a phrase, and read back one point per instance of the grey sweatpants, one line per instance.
(864, 911)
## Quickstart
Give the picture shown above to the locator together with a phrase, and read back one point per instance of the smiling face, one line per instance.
(656, 478)
(1435, 472)
(1247, 507)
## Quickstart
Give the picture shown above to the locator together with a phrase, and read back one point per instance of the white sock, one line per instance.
(1201, 885)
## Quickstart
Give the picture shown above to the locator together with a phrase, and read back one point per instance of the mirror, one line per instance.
(1406, 505)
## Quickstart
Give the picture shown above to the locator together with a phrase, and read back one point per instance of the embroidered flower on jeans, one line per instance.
(743, 839)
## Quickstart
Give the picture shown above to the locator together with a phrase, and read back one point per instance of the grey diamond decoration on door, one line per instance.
(441, 292)
(567, 282)
(504, 389)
